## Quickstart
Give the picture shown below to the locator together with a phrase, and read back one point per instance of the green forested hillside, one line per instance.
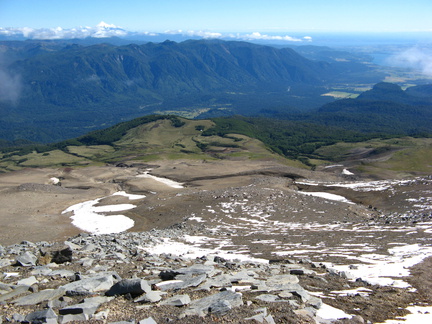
(158, 137)
(67, 90)
(293, 140)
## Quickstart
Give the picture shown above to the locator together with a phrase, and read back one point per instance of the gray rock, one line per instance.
(178, 300)
(5, 287)
(279, 281)
(301, 272)
(87, 262)
(197, 269)
(62, 256)
(294, 304)
(5, 262)
(285, 294)
(147, 320)
(62, 273)
(87, 308)
(26, 259)
(18, 318)
(183, 281)
(73, 317)
(357, 319)
(263, 317)
(38, 297)
(42, 316)
(315, 302)
(303, 294)
(98, 299)
(150, 297)
(305, 313)
(259, 318)
(245, 276)
(269, 319)
(89, 247)
(220, 307)
(267, 298)
(168, 275)
(27, 281)
(219, 281)
(56, 303)
(41, 271)
(101, 316)
(19, 290)
(129, 286)
(347, 275)
(219, 304)
(89, 285)
(73, 246)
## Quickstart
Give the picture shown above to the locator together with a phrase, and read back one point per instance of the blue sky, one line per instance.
(223, 15)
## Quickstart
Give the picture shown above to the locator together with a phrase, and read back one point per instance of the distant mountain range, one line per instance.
(59, 89)
(54, 90)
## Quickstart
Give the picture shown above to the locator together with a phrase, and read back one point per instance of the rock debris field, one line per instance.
(274, 245)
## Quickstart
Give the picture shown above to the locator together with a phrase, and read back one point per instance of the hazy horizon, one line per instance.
(284, 20)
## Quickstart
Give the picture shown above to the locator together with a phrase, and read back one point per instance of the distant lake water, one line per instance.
(382, 59)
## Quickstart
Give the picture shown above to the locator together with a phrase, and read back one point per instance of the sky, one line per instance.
(223, 16)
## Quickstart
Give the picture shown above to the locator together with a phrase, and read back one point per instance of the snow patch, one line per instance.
(328, 312)
(90, 218)
(168, 182)
(382, 269)
(326, 195)
(419, 315)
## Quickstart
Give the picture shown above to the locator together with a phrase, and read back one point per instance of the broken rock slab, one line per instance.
(89, 285)
(129, 286)
(178, 300)
(218, 304)
(150, 297)
(182, 282)
(38, 297)
(27, 259)
(42, 316)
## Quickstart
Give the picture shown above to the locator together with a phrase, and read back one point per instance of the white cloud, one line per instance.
(194, 33)
(10, 87)
(102, 30)
(416, 58)
(259, 36)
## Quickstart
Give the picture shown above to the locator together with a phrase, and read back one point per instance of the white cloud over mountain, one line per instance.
(259, 36)
(416, 58)
(101, 30)
(193, 33)
(104, 30)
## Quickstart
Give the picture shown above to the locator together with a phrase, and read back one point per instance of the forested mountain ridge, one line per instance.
(65, 90)
(77, 75)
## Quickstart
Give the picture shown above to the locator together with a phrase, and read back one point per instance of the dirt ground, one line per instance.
(31, 209)
(31, 206)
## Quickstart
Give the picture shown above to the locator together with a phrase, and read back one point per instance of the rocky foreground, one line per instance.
(265, 217)
(110, 278)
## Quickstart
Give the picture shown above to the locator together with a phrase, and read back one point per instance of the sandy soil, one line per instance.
(31, 207)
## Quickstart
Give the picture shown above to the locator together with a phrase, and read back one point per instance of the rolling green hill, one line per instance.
(157, 137)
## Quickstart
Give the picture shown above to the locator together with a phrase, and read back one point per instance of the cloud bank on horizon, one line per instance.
(104, 30)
